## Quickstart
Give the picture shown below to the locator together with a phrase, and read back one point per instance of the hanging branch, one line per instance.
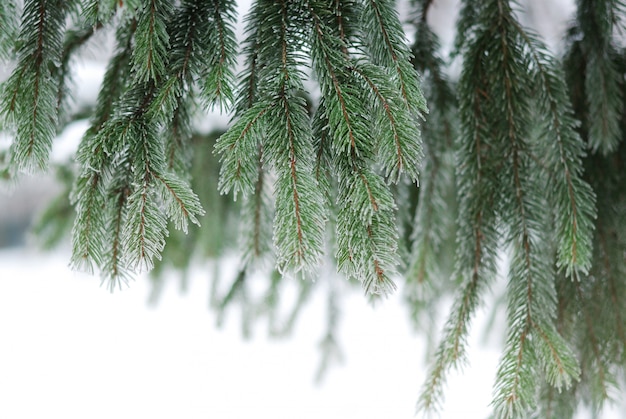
(597, 22)
(29, 95)
(152, 41)
(388, 47)
(477, 234)
(432, 220)
(495, 86)
(257, 210)
(138, 184)
(575, 201)
(88, 195)
(8, 29)
(219, 78)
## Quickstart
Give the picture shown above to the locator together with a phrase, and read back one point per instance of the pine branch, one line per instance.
(258, 212)
(476, 237)
(399, 149)
(575, 206)
(152, 41)
(89, 192)
(181, 204)
(218, 87)
(114, 270)
(433, 220)
(238, 172)
(598, 21)
(96, 12)
(388, 47)
(8, 29)
(74, 40)
(28, 96)
(89, 224)
(177, 145)
(298, 223)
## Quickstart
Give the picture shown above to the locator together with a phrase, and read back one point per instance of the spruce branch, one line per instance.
(114, 82)
(399, 149)
(531, 282)
(89, 224)
(74, 40)
(388, 47)
(477, 234)
(352, 144)
(178, 134)
(187, 39)
(249, 78)
(288, 147)
(349, 129)
(432, 220)
(465, 25)
(616, 290)
(181, 204)
(152, 41)
(145, 194)
(258, 212)
(8, 28)
(500, 114)
(238, 172)
(145, 231)
(220, 79)
(598, 21)
(96, 12)
(28, 97)
(575, 205)
(90, 188)
(602, 378)
(114, 271)
(298, 223)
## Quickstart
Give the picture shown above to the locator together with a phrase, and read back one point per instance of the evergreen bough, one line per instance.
(330, 135)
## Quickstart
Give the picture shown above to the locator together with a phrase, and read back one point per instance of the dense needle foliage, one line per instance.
(349, 142)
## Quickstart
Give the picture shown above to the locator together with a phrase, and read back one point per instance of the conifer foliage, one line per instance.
(333, 153)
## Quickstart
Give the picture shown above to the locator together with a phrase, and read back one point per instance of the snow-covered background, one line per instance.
(70, 349)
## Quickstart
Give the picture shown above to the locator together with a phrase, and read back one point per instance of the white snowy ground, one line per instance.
(70, 349)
